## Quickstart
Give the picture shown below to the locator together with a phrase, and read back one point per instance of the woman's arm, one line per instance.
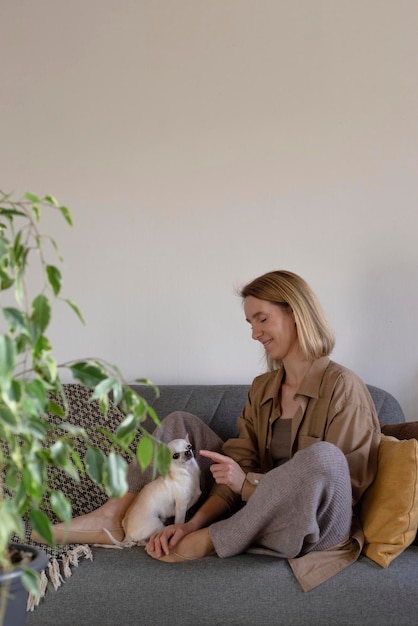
(355, 429)
(225, 471)
(165, 540)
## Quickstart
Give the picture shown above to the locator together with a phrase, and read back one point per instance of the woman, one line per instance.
(305, 453)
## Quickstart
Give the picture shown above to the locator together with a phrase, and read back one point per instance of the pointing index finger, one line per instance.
(214, 456)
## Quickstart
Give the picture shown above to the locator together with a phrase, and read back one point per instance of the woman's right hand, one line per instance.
(165, 540)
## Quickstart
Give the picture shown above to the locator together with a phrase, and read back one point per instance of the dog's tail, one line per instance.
(119, 544)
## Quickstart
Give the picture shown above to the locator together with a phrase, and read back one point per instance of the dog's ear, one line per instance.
(187, 438)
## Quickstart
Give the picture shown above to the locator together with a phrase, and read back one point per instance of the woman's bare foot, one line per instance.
(195, 545)
(89, 528)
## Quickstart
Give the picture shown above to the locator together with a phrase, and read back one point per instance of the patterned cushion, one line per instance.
(86, 495)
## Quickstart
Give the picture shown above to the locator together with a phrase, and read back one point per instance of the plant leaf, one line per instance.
(117, 484)
(56, 409)
(54, 277)
(153, 415)
(4, 247)
(51, 200)
(61, 505)
(67, 215)
(11, 212)
(16, 319)
(11, 522)
(148, 383)
(73, 430)
(77, 461)
(163, 459)
(8, 417)
(89, 374)
(41, 315)
(95, 461)
(33, 476)
(7, 358)
(103, 388)
(76, 310)
(31, 580)
(127, 428)
(117, 392)
(144, 452)
(36, 213)
(40, 522)
(32, 197)
(34, 391)
(60, 454)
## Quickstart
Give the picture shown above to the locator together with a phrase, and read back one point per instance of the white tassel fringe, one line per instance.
(59, 569)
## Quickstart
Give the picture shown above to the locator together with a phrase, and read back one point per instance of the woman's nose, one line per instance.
(256, 333)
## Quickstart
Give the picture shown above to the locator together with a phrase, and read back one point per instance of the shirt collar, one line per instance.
(309, 386)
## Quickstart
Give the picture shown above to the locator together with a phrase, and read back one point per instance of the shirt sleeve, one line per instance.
(251, 482)
(355, 429)
(244, 450)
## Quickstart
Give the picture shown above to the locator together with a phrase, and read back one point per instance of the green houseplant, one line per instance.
(31, 389)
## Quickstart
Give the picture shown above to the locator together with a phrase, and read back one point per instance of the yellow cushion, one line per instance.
(389, 507)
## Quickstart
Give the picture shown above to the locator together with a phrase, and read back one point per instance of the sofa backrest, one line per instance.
(388, 408)
(219, 406)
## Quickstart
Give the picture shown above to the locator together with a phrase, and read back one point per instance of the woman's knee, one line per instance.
(325, 454)
(180, 416)
(177, 425)
(323, 459)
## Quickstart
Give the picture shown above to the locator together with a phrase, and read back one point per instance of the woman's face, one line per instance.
(273, 326)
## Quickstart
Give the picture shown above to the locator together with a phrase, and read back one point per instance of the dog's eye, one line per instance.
(189, 447)
(176, 455)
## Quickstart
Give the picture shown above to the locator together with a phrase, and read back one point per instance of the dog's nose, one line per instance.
(188, 454)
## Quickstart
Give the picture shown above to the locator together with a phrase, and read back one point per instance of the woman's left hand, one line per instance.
(225, 470)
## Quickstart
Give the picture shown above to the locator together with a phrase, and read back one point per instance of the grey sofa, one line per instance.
(127, 587)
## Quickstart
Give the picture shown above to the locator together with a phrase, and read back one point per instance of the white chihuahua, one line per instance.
(162, 498)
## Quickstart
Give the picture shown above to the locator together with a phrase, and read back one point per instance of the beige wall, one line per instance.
(202, 142)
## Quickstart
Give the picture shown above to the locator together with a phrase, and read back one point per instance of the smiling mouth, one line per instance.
(267, 343)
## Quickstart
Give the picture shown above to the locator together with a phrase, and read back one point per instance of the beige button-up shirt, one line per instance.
(334, 406)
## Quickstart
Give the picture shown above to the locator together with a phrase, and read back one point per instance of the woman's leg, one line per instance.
(88, 528)
(301, 506)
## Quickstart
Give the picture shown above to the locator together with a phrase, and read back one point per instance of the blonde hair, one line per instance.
(316, 338)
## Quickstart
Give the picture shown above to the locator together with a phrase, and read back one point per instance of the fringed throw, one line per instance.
(84, 495)
(58, 570)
